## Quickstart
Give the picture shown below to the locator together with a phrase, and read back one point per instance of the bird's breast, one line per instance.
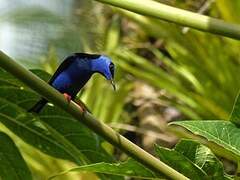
(71, 81)
(62, 82)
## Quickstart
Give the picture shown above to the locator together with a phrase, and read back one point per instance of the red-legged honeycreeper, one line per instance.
(73, 74)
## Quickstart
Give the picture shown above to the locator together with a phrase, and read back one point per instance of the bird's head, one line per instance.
(105, 67)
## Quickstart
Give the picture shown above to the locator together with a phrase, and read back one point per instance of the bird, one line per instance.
(74, 72)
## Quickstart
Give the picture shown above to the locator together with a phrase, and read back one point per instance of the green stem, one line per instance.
(87, 119)
(179, 16)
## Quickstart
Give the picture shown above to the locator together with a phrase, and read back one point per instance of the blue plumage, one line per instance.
(75, 71)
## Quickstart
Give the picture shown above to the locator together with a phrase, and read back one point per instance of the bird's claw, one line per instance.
(67, 97)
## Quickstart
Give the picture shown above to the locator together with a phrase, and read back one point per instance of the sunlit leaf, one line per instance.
(12, 165)
(222, 136)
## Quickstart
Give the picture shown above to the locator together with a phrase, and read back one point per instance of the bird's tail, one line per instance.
(38, 106)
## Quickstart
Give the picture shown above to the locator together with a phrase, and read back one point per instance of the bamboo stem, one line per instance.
(86, 118)
(178, 16)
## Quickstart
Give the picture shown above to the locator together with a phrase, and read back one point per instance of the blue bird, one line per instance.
(73, 74)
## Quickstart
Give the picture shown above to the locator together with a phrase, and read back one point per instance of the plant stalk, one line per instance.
(182, 17)
(51, 94)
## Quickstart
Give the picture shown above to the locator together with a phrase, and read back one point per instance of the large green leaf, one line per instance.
(53, 131)
(129, 168)
(222, 136)
(192, 159)
(202, 157)
(12, 165)
(179, 162)
(189, 158)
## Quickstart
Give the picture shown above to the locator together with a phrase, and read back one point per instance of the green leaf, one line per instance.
(12, 165)
(202, 157)
(53, 131)
(221, 136)
(129, 168)
(180, 163)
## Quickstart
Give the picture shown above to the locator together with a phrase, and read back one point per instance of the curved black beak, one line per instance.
(113, 84)
(111, 68)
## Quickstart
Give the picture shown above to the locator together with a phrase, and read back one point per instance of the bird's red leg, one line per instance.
(67, 97)
(81, 105)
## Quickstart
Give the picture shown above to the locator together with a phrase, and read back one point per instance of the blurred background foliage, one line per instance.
(164, 72)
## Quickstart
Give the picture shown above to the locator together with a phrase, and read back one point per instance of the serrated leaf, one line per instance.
(180, 163)
(129, 168)
(12, 165)
(222, 136)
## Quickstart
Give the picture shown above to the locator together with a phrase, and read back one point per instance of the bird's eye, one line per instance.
(111, 68)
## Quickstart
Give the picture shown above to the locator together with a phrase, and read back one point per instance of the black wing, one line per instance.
(64, 65)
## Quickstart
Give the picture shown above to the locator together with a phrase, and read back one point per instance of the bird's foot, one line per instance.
(67, 97)
(81, 105)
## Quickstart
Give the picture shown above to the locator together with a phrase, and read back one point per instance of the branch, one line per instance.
(202, 10)
(86, 118)
(178, 16)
